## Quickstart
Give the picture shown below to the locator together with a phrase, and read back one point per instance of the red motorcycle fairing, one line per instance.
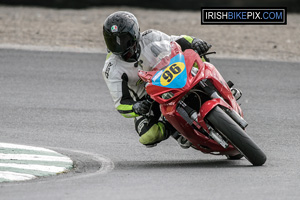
(168, 106)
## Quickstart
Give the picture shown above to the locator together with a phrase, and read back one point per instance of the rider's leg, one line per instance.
(151, 133)
(150, 129)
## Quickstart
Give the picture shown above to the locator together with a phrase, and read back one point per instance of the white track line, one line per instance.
(17, 146)
(33, 165)
(106, 164)
(44, 168)
(34, 157)
(13, 176)
(53, 48)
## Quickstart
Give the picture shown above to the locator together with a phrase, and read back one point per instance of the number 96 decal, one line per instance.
(171, 72)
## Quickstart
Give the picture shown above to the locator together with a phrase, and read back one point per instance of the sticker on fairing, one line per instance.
(174, 76)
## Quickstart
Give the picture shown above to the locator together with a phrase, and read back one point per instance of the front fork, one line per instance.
(191, 117)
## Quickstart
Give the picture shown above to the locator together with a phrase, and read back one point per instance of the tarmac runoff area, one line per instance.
(21, 163)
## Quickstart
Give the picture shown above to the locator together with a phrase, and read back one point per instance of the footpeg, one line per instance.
(236, 93)
(183, 142)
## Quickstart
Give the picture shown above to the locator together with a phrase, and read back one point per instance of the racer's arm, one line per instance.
(127, 106)
(117, 84)
(189, 42)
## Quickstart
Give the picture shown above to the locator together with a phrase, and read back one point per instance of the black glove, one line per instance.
(141, 107)
(200, 46)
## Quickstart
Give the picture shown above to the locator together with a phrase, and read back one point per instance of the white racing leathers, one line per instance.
(122, 77)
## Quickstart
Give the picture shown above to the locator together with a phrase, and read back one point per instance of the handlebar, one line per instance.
(204, 54)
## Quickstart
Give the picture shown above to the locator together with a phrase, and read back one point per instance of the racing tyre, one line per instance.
(236, 136)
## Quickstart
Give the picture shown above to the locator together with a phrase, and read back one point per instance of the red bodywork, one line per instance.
(168, 106)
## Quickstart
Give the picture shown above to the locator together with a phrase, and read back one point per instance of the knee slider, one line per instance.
(150, 133)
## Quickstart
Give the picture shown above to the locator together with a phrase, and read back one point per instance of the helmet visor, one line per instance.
(119, 43)
(131, 54)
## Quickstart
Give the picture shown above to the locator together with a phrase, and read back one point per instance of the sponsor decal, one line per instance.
(114, 28)
(141, 125)
(146, 32)
(108, 69)
(157, 75)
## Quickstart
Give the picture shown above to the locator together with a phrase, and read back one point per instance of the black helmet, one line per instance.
(121, 34)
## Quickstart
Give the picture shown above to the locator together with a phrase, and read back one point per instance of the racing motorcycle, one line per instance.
(196, 100)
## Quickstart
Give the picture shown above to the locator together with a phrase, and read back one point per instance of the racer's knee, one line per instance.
(150, 133)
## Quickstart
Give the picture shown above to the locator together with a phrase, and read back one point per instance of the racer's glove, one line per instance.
(141, 107)
(200, 46)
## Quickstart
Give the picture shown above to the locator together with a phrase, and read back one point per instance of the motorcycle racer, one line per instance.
(128, 51)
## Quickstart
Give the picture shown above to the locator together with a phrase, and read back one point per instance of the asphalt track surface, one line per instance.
(59, 101)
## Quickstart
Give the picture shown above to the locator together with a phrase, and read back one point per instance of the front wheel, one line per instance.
(226, 126)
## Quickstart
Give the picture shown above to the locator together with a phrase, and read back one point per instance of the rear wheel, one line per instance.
(236, 135)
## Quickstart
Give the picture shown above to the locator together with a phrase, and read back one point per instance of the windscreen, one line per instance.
(159, 54)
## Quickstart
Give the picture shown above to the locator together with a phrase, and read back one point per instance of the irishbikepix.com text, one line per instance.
(243, 16)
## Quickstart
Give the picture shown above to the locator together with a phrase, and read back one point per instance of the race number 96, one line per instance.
(171, 72)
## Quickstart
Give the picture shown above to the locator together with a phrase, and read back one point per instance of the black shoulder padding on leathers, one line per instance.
(126, 97)
(184, 44)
